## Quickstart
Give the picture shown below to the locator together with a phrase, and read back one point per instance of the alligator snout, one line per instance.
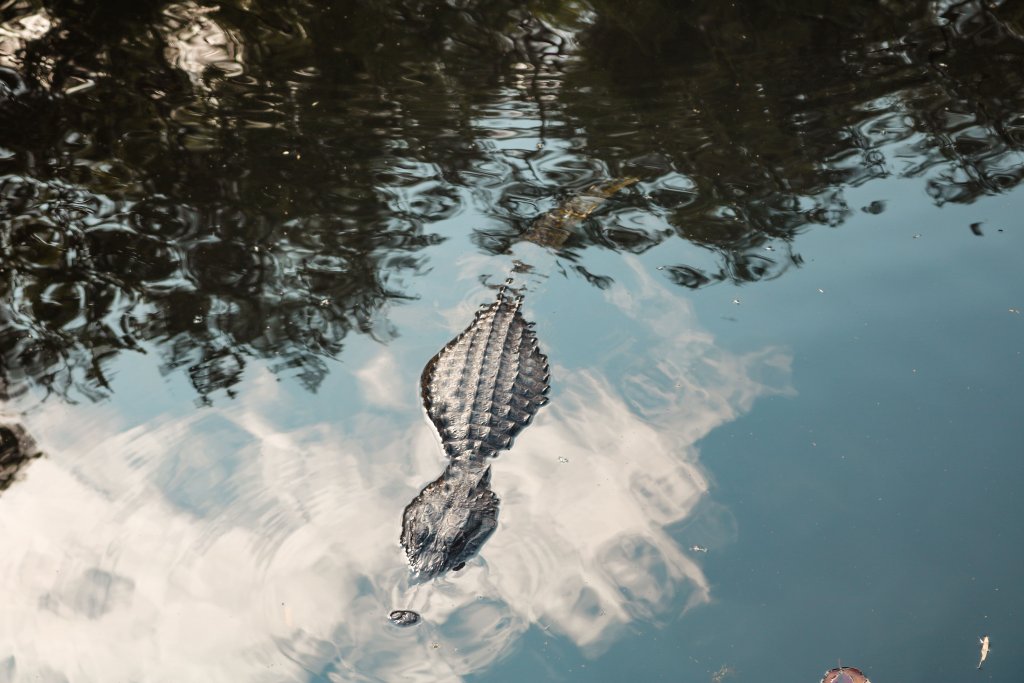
(451, 518)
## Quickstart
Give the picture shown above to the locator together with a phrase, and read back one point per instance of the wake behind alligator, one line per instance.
(480, 391)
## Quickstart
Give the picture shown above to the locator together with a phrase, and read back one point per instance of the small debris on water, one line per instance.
(325, 302)
(435, 645)
(1015, 311)
(820, 290)
(562, 459)
(917, 235)
(698, 548)
(404, 617)
(976, 229)
(724, 672)
(520, 267)
(985, 648)
(736, 301)
(198, 319)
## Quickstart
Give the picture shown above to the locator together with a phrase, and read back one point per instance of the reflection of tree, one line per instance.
(253, 180)
(104, 280)
(743, 143)
(746, 141)
(16, 451)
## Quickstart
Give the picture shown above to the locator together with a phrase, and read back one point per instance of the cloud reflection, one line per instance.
(225, 543)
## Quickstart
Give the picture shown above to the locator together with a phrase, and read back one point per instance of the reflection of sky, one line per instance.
(232, 542)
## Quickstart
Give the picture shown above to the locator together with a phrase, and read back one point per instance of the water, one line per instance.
(233, 235)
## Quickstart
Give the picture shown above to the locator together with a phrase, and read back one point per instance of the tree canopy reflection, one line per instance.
(216, 183)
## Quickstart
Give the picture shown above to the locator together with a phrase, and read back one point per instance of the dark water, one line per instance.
(232, 235)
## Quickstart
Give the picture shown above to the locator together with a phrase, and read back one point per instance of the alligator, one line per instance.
(480, 391)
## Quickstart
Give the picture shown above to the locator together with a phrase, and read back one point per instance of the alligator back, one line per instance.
(485, 385)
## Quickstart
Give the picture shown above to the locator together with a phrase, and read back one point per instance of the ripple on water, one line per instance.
(161, 217)
(236, 188)
(226, 267)
(118, 249)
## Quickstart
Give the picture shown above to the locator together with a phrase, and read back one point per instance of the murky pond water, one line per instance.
(783, 430)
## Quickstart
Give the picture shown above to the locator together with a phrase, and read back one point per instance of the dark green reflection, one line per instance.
(17, 450)
(252, 179)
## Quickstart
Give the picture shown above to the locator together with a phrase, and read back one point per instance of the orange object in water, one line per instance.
(844, 674)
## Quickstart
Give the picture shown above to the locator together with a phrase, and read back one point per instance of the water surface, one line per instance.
(786, 364)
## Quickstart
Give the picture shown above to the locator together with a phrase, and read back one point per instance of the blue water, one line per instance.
(786, 365)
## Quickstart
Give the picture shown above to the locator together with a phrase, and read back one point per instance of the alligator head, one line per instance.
(451, 518)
